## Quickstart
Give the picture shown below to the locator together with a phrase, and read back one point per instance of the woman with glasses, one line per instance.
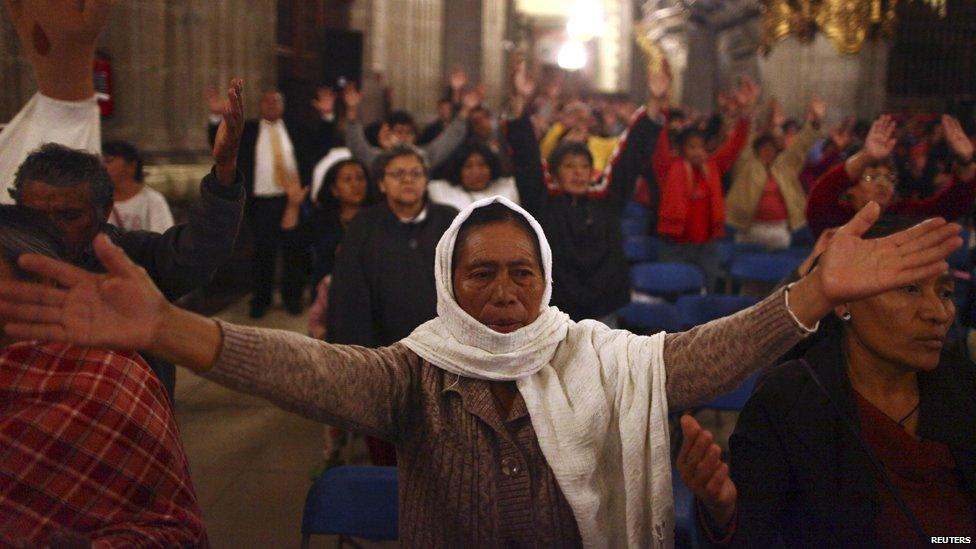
(383, 280)
(870, 175)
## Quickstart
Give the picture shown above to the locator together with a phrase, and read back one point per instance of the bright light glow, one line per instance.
(572, 55)
(585, 20)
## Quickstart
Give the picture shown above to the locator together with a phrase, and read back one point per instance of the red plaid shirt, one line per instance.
(88, 444)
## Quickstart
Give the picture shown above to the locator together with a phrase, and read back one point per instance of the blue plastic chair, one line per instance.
(735, 400)
(667, 279)
(699, 309)
(641, 249)
(650, 317)
(728, 251)
(686, 533)
(763, 267)
(352, 501)
(802, 237)
(633, 209)
(635, 226)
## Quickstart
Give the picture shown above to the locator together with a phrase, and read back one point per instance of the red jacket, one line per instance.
(674, 175)
(826, 207)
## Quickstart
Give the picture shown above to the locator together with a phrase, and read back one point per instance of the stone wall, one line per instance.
(850, 84)
(164, 54)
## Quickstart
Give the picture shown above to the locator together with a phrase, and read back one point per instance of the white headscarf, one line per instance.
(595, 396)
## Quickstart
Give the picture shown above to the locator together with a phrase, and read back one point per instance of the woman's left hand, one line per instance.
(854, 268)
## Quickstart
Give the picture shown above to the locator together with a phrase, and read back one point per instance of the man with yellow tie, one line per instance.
(272, 151)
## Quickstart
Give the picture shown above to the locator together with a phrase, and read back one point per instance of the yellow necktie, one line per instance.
(278, 157)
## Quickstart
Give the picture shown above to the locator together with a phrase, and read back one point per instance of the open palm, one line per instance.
(121, 309)
(853, 268)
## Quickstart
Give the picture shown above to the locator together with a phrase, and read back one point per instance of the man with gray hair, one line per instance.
(383, 281)
(73, 419)
(74, 191)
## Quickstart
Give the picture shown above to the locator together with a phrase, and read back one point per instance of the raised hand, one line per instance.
(228, 139)
(471, 98)
(121, 309)
(659, 83)
(703, 472)
(352, 97)
(881, 138)
(817, 110)
(294, 190)
(957, 139)
(747, 95)
(853, 268)
(777, 116)
(522, 82)
(324, 102)
(840, 135)
(458, 79)
(58, 36)
(216, 103)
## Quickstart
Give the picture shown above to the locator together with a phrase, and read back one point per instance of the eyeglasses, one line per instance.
(883, 179)
(403, 174)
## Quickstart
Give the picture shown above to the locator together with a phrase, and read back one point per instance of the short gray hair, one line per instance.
(61, 166)
(401, 149)
(24, 231)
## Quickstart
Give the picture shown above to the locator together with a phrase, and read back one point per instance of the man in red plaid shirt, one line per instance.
(89, 449)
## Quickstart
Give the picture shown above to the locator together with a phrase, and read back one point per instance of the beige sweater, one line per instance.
(750, 180)
(467, 476)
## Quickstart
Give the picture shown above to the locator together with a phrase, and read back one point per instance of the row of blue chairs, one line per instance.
(688, 311)
(668, 280)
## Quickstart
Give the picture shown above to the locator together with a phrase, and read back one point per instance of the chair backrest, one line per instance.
(729, 250)
(650, 317)
(763, 267)
(735, 400)
(662, 279)
(353, 501)
(634, 209)
(699, 309)
(802, 237)
(641, 249)
(635, 226)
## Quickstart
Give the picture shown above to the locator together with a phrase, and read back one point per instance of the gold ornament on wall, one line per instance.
(653, 53)
(847, 23)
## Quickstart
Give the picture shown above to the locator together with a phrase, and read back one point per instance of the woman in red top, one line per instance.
(875, 384)
(691, 216)
(870, 175)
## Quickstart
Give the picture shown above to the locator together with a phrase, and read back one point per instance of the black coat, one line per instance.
(803, 480)
(383, 281)
(186, 256)
(591, 277)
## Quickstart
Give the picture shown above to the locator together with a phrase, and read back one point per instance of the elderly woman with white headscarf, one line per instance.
(514, 425)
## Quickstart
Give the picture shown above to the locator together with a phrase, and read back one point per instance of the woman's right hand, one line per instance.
(120, 309)
(703, 472)
(294, 190)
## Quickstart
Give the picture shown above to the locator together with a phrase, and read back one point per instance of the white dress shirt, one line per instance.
(264, 173)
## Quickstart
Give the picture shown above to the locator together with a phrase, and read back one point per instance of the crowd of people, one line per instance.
(465, 280)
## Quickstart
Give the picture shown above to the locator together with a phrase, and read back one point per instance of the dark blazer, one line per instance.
(803, 480)
(310, 145)
(186, 256)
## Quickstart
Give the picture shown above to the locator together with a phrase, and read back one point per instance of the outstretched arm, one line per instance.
(711, 359)
(58, 36)
(360, 389)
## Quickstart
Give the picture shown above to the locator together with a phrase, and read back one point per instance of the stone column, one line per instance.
(494, 20)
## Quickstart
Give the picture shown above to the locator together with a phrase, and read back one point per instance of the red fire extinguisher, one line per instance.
(103, 84)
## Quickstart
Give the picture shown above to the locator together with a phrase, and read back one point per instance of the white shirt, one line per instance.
(460, 198)
(75, 124)
(147, 210)
(264, 181)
